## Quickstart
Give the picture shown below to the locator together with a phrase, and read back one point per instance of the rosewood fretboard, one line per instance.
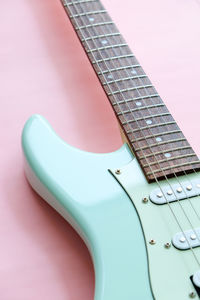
(157, 141)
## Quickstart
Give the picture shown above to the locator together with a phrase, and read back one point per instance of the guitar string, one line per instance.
(191, 248)
(189, 163)
(183, 210)
(154, 176)
(186, 175)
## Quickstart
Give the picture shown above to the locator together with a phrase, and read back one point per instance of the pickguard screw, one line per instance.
(192, 295)
(145, 200)
(118, 171)
(167, 245)
(152, 242)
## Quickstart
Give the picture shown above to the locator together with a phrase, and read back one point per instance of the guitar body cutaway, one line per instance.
(102, 196)
(80, 187)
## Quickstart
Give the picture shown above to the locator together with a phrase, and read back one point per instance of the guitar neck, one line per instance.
(154, 136)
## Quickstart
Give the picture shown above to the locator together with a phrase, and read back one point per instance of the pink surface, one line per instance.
(44, 70)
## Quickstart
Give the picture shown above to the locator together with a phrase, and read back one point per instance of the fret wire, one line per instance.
(146, 117)
(88, 13)
(151, 85)
(93, 25)
(140, 108)
(160, 143)
(195, 257)
(166, 151)
(100, 36)
(107, 47)
(175, 166)
(156, 134)
(125, 79)
(180, 204)
(77, 2)
(151, 145)
(162, 115)
(154, 175)
(137, 98)
(130, 89)
(121, 91)
(170, 159)
(119, 69)
(152, 126)
(111, 58)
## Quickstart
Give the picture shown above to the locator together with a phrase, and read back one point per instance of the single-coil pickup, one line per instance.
(175, 192)
(187, 239)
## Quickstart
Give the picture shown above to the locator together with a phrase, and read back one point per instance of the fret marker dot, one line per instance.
(104, 42)
(168, 155)
(133, 72)
(110, 76)
(158, 139)
(91, 19)
(138, 103)
(149, 122)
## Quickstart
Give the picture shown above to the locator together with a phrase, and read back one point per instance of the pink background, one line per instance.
(43, 69)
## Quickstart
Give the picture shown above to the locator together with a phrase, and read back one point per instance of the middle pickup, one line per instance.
(187, 239)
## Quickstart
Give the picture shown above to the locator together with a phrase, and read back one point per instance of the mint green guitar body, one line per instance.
(107, 211)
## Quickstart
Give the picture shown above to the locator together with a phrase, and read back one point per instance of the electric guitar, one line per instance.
(138, 208)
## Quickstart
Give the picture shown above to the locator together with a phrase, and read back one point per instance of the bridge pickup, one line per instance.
(175, 192)
(187, 239)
